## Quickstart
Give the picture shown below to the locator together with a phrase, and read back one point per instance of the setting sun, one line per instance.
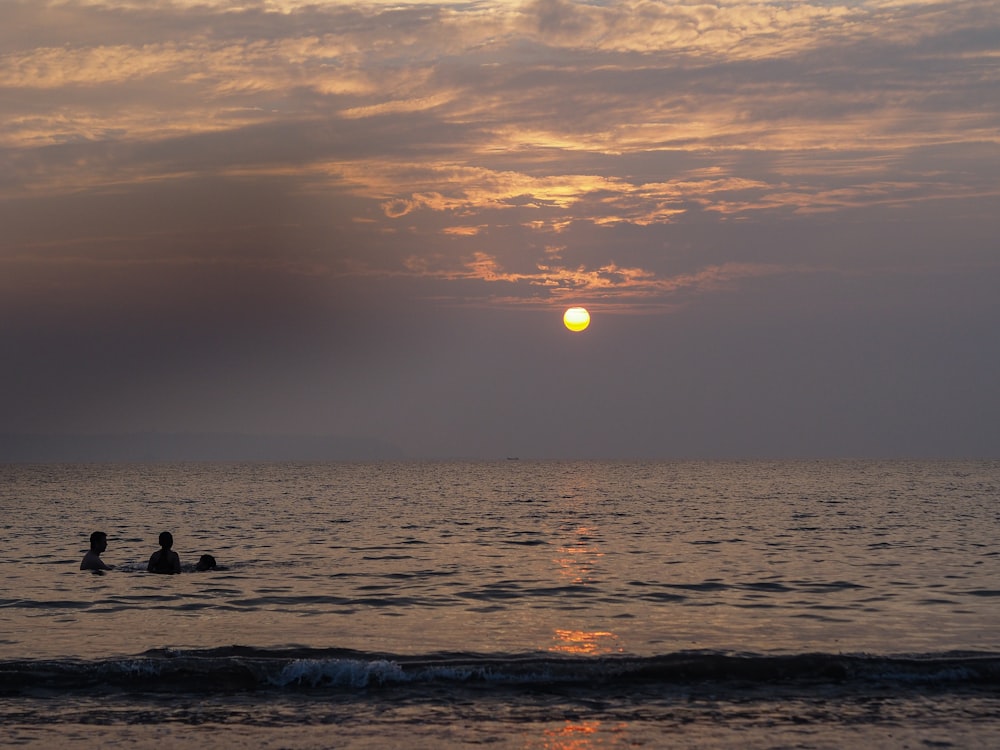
(576, 318)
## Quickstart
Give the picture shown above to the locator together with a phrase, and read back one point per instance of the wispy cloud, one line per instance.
(444, 119)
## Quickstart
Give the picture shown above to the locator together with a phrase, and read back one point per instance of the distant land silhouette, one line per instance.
(152, 447)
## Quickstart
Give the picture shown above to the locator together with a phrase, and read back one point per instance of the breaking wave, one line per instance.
(241, 669)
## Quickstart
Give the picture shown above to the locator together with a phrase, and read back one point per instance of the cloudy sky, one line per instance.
(366, 219)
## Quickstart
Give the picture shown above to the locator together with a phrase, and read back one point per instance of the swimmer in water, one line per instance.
(92, 560)
(206, 562)
(164, 560)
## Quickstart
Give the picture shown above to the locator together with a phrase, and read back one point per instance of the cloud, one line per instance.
(290, 214)
(456, 120)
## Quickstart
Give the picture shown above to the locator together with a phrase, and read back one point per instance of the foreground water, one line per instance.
(516, 604)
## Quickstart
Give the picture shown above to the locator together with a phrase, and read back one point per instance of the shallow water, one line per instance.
(486, 565)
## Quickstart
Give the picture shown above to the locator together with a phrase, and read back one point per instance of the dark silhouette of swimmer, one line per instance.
(92, 560)
(164, 560)
(206, 562)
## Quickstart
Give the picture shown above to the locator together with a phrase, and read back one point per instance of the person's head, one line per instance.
(166, 539)
(98, 542)
(206, 562)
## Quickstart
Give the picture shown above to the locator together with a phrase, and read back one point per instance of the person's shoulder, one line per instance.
(94, 562)
(154, 562)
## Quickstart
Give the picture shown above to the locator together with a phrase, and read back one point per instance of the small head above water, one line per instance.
(206, 562)
(166, 539)
(98, 541)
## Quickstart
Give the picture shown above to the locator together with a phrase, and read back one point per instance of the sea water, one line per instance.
(511, 604)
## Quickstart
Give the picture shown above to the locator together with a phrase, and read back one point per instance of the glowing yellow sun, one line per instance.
(576, 318)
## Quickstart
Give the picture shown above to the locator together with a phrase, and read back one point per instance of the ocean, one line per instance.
(507, 604)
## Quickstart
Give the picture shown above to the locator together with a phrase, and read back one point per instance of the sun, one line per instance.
(576, 318)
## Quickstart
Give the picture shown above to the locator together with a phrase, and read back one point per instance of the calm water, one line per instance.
(515, 604)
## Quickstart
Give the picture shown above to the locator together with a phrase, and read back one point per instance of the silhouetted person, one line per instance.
(206, 562)
(92, 560)
(164, 560)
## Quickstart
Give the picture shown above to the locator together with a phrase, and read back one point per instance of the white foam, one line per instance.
(339, 672)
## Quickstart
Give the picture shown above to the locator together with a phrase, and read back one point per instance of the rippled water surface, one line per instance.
(510, 556)
(583, 560)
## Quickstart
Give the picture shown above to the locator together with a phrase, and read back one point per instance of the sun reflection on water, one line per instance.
(579, 558)
(578, 563)
(579, 735)
(585, 642)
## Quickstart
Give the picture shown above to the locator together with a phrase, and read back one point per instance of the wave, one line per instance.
(240, 669)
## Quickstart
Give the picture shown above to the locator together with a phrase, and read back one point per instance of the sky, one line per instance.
(365, 220)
